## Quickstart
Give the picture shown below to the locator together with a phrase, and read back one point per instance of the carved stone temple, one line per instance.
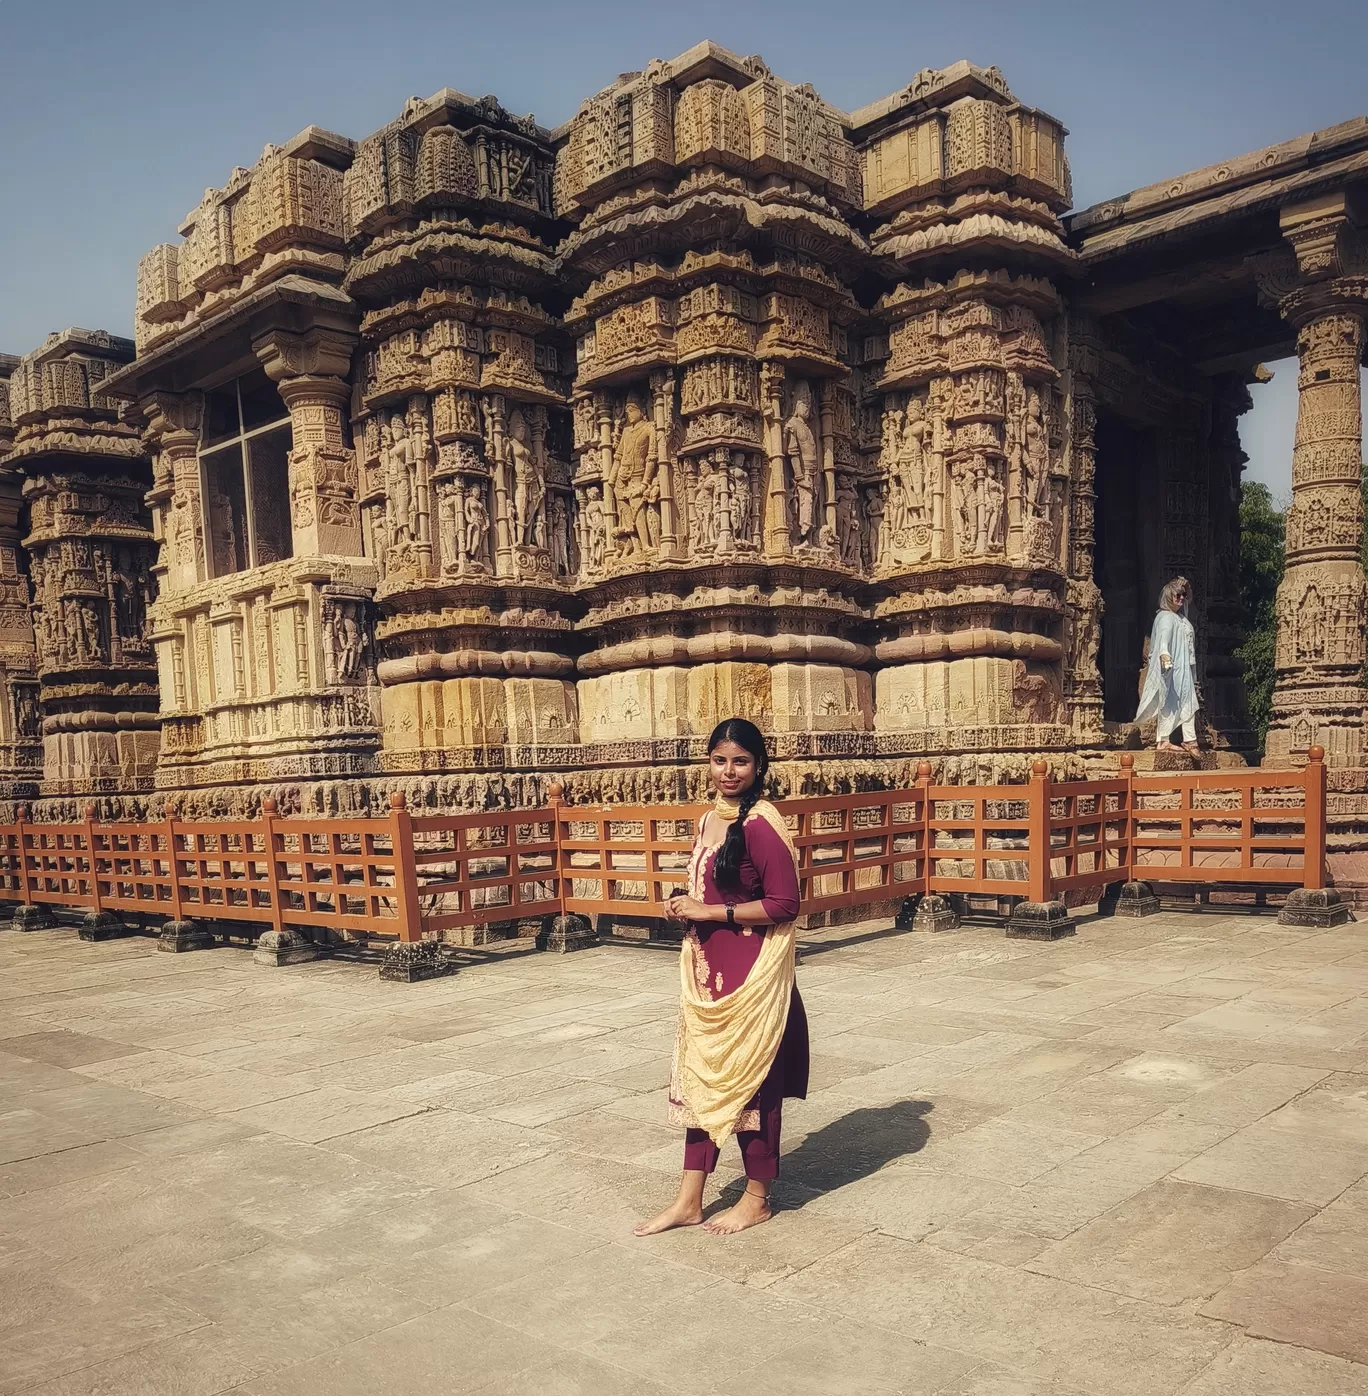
(474, 453)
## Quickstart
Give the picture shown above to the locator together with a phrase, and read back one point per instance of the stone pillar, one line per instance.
(311, 372)
(1319, 693)
(21, 753)
(1083, 624)
(173, 434)
(91, 552)
(1321, 289)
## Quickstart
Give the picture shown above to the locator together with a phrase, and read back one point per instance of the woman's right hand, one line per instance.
(674, 907)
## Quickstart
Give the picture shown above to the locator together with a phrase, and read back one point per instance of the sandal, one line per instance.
(1192, 748)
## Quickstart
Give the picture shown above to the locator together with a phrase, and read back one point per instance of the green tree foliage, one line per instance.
(1263, 528)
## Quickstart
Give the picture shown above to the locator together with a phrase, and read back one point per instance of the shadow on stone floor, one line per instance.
(846, 1150)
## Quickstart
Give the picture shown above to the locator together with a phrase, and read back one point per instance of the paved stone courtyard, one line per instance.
(1130, 1162)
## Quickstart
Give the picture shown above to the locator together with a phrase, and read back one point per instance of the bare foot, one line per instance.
(751, 1209)
(678, 1213)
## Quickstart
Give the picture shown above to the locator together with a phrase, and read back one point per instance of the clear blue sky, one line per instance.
(117, 115)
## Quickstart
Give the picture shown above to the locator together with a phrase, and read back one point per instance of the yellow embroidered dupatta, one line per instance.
(725, 1047)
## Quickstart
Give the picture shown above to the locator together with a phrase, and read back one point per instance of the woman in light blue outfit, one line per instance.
(1170, 691)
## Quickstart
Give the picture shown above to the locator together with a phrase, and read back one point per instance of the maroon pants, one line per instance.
(759, 1148)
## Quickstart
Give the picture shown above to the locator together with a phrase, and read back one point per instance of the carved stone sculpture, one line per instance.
(636, 490)
(800, 447)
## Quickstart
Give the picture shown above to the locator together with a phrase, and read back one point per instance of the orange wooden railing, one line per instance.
(412, 878)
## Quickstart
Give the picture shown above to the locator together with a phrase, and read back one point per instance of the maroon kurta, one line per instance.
(724, 956)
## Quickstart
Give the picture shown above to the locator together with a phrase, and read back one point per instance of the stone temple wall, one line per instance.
(475, 453)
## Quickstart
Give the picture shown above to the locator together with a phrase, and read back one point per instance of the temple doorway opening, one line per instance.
(1126, 562)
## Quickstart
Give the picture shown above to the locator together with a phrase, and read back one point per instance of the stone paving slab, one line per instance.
(1134, 1161)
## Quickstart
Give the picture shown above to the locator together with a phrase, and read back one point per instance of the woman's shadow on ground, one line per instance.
(851, 1148)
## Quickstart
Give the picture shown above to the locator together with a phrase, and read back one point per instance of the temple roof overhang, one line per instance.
(220, 347)
(1178, 259)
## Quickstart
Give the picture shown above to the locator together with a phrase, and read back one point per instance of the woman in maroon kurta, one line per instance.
(746, 873)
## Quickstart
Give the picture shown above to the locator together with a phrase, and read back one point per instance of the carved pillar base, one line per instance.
(568, 933)
(103, 925)
(283, 948)
(1135, 899)
(31, 918)
(180, 936)
(1320, 908)
(409, 961)
(935, 913)
(1040, 921)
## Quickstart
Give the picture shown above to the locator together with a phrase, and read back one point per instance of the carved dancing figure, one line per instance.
(560, 535)
(636, 487)
(964, 479)
(996, 505)
(1170, 690)
(345, 641)
(476, 528)
(800, 447)
(595, 529)
(911, 469)
(399, 480)
(982, 519)
(702, 511)
(450, 523)
(874, 515)
(528, 493)
(848, 521)
(1310, 626)
(739, 499)
(1035, 461)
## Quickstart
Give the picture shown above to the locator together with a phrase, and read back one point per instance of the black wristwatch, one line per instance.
(731, 914)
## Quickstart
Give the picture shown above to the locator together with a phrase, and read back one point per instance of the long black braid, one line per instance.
(746, 735)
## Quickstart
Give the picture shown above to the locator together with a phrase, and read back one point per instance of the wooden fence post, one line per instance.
(1040, 916)
(567, 930)
(180, 933)
(98, 924)
(410, 958)
(282, 945)
(929, 911)
(1134, 898)
(1313, 903)
(1038, 837)
(173, 857)
(269, 809)
(30, 915)
(555, 795)
(1313, 854)
(1128, 809)
(405, 870)
(89, 817)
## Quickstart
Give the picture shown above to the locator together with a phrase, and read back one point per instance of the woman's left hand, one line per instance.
(685, 909)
